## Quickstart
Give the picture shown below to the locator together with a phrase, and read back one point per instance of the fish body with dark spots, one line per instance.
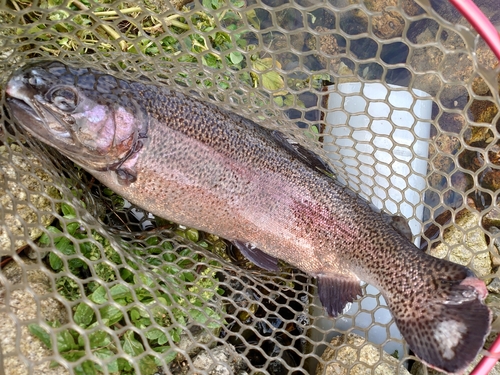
(193, 163)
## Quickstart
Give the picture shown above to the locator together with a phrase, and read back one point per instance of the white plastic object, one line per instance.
(381, 152)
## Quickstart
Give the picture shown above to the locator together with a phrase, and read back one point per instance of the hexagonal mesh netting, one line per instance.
(399, 97)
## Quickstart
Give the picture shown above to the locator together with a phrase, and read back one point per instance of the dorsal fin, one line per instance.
(307, 156)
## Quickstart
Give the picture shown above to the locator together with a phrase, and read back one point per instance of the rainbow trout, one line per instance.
(195, 164)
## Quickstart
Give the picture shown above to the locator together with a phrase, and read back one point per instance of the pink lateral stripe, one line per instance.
(480, 22)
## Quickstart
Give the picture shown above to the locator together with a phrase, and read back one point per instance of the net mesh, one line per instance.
(399, 97)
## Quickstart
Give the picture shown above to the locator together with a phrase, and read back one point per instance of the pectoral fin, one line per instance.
(336, 291)
(125, 176)
(257, 256)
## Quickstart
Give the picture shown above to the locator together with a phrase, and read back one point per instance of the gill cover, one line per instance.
(89, 116)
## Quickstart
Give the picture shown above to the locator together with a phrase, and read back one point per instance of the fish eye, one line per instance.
(64, 98)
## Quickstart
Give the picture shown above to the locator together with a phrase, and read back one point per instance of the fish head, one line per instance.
(85, 114)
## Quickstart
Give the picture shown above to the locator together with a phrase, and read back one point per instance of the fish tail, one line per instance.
(446, 328)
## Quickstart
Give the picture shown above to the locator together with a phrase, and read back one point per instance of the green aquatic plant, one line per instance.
(219, 38)
(159, 304)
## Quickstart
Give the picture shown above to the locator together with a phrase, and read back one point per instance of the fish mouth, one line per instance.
(32, 111)
(19, 95)
(21, 105)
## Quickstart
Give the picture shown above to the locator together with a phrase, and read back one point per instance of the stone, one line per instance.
(25, 298)
(465, 243)
(191, 344)
(26, 197)
(353, 355)
(233, 362)
(494, 286)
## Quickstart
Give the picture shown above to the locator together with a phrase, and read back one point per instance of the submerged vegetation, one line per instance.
(221, 40)
(176, 293)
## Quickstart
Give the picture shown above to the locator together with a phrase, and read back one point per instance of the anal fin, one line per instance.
(257, 256)
(335, 291)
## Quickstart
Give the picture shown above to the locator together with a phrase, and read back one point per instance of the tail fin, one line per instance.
(447, 331)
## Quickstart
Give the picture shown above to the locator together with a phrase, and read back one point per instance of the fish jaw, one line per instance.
(96, 134)
(23, 101)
